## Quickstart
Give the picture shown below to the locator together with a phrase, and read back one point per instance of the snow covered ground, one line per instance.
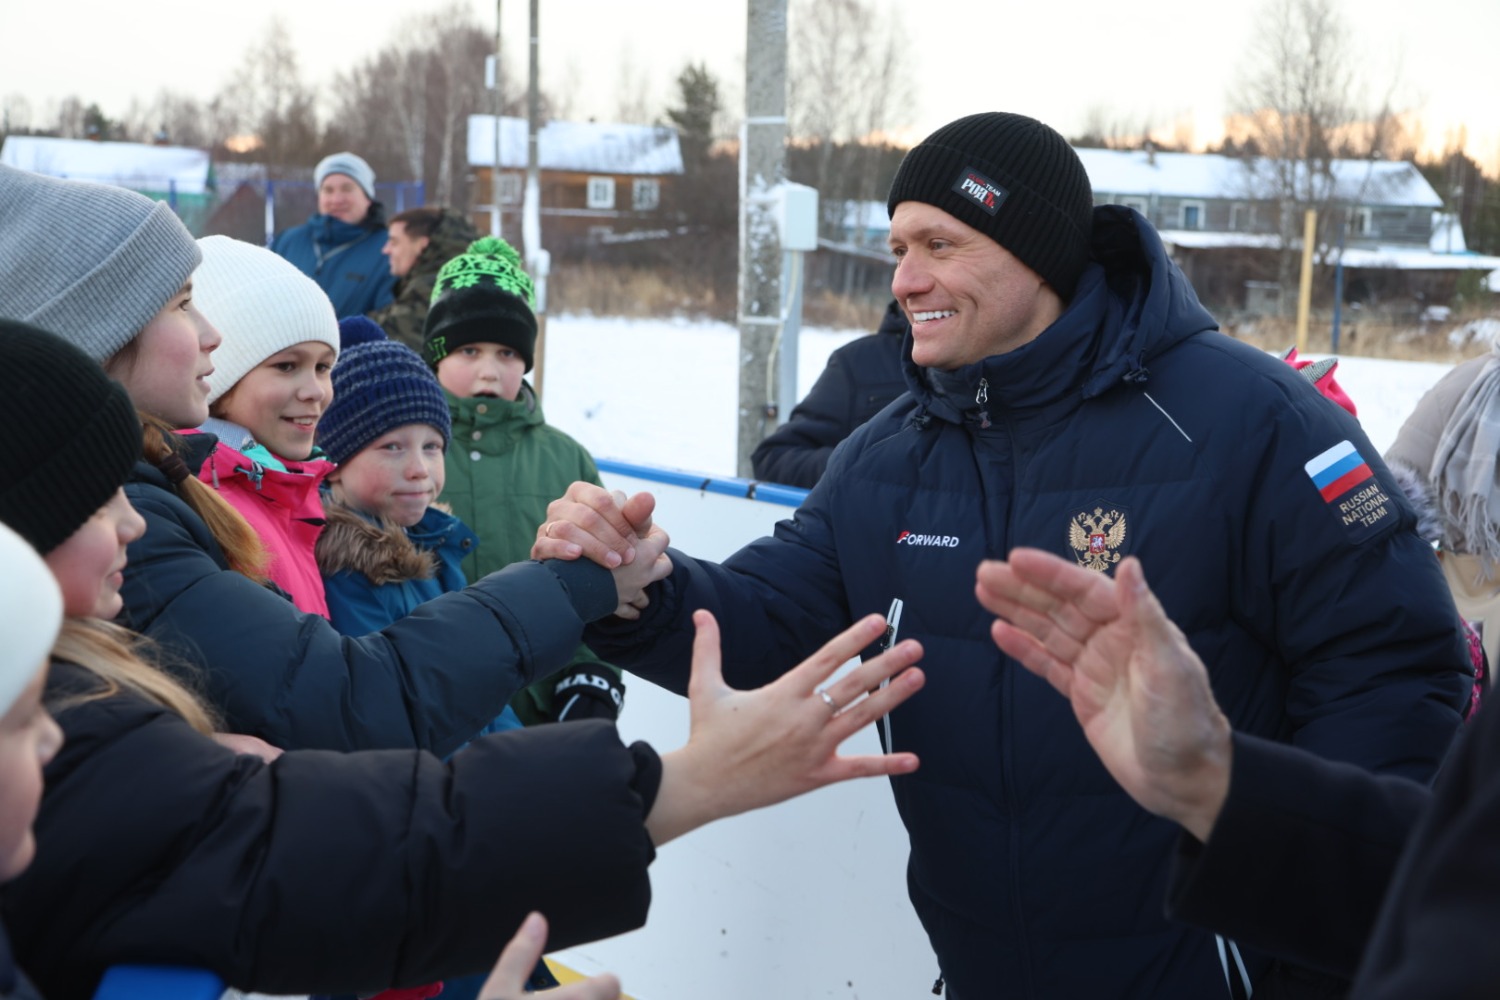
(663, 392)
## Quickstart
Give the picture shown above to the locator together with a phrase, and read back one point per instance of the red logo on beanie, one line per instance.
(980, 190)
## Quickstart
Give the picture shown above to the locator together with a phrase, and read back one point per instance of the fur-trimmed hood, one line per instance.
(378, 550)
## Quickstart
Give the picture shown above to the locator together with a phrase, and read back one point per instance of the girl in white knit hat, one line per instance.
(271, 385)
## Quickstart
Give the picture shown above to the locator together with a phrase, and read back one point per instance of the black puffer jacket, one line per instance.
(321, 872)
(859, 380)
(431, 680)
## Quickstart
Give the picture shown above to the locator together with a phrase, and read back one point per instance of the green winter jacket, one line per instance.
(504, 466)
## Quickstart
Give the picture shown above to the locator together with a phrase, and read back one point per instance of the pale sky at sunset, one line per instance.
(1156, 60)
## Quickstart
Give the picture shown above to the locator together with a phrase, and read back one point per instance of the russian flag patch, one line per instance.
(1338, 470)
(1349, 488)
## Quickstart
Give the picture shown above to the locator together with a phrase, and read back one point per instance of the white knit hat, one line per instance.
(262, 305)
(31, 611)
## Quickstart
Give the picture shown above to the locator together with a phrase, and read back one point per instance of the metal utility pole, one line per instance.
(538, 260)
(762, 170)
(499, 102)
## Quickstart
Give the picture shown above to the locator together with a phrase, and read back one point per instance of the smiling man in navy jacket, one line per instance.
(1068, 392)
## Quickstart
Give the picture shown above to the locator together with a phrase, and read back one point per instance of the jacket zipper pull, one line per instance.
(982, 397)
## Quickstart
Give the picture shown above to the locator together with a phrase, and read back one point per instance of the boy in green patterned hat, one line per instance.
(506, 463)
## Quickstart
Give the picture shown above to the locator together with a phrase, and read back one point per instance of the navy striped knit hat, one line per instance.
(1013, 179)
(378, 386)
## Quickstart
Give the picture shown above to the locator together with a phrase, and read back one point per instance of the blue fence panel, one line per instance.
(158, 982)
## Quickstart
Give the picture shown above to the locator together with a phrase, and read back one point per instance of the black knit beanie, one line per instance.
(68, 436)
(1013, 179)
(481, 296)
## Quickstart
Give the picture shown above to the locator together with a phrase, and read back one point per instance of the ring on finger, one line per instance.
(828, 699)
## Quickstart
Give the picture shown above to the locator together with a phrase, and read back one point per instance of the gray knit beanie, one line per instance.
(1013, 179)
(353, 167)
(92, 263)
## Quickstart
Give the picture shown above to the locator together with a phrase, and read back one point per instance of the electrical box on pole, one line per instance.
(797, 225)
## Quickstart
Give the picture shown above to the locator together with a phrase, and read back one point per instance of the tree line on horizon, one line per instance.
(1296, 99)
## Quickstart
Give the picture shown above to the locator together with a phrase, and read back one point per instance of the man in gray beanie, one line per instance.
(90, 262)
(1067, 392)
(342, 246)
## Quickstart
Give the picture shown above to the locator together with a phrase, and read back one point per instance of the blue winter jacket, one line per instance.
(1131, 426)
(371, 579)
(345, 260)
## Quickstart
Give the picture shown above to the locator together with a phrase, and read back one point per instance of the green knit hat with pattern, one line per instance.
(482, 296)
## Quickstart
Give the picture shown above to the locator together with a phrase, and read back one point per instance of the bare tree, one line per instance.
(632, 98)
(15, 114)
(1301, 109)
(267, 98)
(848, 83)
(406, 108)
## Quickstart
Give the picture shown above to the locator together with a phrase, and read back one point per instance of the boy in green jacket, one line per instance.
(505, 463)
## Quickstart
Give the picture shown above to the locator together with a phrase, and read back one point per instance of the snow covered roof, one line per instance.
(1404, 258)
(1116, 172)
(587, 147)
(132, 165)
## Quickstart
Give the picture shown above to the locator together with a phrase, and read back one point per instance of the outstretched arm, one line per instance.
(1136, 686)
(748, 749)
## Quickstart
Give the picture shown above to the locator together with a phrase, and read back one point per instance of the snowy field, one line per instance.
(663, 392)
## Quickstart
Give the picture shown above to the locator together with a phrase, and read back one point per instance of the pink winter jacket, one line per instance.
(285, 511)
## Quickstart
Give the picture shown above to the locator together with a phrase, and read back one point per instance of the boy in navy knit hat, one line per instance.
(386, 548)
(480, 337)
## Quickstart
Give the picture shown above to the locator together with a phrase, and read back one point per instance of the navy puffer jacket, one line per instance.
(1130, 427)
(860, 379)
(431, 680)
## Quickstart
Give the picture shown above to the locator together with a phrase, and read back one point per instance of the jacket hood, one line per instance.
(894, 321)
(193, 447)
(383, 552)
(1132, 304)
(451, 237)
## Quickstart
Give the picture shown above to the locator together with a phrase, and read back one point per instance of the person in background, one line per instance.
(1067, 391)
(420, 242)
(1446, 457)
(480, 339)
(271, 385)
(860, 379)
(1361, 875)
(341, 246)
(302, 872)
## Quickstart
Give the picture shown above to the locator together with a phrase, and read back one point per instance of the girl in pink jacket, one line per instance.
(270, 386)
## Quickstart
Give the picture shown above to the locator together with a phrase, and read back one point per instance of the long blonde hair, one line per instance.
(114, 655)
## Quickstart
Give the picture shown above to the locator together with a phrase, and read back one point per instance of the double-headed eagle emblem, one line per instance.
(1096, 538)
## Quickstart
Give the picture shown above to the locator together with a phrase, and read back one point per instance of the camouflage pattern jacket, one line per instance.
(404, 318)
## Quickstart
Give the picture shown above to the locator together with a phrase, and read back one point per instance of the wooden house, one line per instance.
(600, 184)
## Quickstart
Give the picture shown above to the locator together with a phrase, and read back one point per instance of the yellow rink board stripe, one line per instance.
(566, 975)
